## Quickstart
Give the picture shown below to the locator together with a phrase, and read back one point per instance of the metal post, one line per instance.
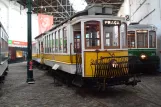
(30, 79)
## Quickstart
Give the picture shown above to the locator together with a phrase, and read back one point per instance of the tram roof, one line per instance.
(140, 26)
(81, 13)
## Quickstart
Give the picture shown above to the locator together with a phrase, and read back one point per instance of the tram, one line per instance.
(142, 42)
(3, 52)
(89, 48)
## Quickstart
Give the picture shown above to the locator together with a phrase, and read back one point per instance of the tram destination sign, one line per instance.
(111, 22)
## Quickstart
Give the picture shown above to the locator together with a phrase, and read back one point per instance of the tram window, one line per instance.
(152, 39)
(51, 43)
(92, 34)
(48, 43)
(107, 39)
(53, 48)
(77, 41)
(56, 42)
(111, 36)
(131, 39)
(39, 47)
(45, 44)
(64, 40)
(4, 49)
(60, 42)
(123, 30)
(142, 39)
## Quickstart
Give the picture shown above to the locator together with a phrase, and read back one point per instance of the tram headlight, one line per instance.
(114, 64)
(143, 56)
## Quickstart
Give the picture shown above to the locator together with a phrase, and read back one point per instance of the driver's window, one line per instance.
(92, 35)
(142, 39)
(111, 36)
(152, 39)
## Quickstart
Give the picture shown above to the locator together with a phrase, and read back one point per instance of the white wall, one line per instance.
(15, 21)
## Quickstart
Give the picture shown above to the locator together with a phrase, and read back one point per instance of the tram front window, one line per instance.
(142, 39)
(131, 39)
(92, 34)
(111, 36)
(152, 39)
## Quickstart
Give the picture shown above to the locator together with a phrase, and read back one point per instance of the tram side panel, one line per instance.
(3, 51)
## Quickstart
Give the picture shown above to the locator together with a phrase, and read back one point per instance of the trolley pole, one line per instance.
(30, 79)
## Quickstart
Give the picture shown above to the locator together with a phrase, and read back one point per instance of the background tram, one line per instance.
(3, 52)
(90, 48)
(142, 42)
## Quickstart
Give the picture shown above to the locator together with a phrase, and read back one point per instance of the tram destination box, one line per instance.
(111, 22)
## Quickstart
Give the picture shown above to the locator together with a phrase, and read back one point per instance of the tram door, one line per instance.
(78, 51)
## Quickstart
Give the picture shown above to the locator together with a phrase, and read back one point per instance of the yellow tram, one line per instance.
(90, 47)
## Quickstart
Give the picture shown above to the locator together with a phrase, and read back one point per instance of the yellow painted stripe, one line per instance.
(60, 62)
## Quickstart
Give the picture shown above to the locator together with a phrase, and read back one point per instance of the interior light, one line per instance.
(140, 31)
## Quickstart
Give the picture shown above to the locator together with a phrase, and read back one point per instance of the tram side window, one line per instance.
(48, 43)
(92, 34)
(4, 49)
(64, 40)
(142, 39)
(39, 47)
(60, 41)
(123, 30)
(111, 36)
(152, 39)
(45, 44)
(131, 39)
(51, 40)
(53, 43)
(56, 42)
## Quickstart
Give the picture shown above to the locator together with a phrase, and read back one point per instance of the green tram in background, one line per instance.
(142, 42)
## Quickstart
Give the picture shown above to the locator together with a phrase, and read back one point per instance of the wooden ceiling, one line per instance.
(62, 9)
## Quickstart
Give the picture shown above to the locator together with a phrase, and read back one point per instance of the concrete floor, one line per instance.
(15, 92)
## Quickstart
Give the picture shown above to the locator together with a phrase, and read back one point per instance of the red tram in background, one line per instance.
(17, 51)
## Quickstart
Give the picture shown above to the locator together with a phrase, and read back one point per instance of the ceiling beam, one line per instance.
(55, 9)
(63, 7)
(50, 6)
